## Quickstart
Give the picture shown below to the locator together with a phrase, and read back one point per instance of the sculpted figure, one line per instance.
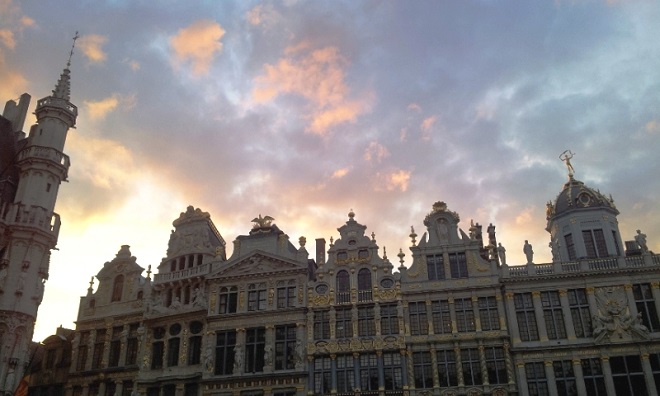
(501, 252)
(640, 238)
(529, 252)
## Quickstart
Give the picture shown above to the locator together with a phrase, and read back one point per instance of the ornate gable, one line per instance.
(258, 264)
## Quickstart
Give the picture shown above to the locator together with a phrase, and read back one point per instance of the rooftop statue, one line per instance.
(260, 222)
(566, 157)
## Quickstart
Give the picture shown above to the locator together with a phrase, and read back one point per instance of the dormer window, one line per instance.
(117, 288)
(363, 254)
(342, 255)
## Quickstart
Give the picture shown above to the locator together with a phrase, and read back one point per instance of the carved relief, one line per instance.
(613, 321)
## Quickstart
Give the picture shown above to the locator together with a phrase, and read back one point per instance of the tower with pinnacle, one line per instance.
(32, 168)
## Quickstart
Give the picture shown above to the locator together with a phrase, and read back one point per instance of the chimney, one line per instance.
(320, 251)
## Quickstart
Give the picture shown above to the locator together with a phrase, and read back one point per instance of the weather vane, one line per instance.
(566, 157)
(75, 37)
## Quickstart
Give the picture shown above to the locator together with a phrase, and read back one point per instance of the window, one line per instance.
(345, 374)
(117, 288)
(646, 306)
(173, 351)
(495, 365)
(537, 383)
(224, 352)
(464, 314)
(99, 346)
(190, 389)
(628, 375)
(389, 319)
(593, 377)
(447, 368)
(255, 341)
(393, 371)
(417, 314)
(132, 344)
(50, 358)
(195, 343)
(343, 323)
(654, 358)
(422, 370)
(579, 305)
(616, 243)
(321, 325)
(286, 294)
(228, 299)
(369, 372)
(570, 246)
(458, 265)
(322, 376)
(364, 285)
(565, 378)
(471, 367)
(441, 317)
(115, 347)
(594, 243)
(343, 287)
(435, 267)
(525, 316)
(257, 297)
(82, 351)
(366, 322)
(285, 347)
(157, 348)
(553, 315)
(488, 315)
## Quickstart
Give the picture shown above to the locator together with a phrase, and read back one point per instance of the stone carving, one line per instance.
(501, 253)
(613, 320)
(529, 252)
(198, 299)
(261, 222)
(640, 238)
(208, 358)
(238, 359)
(554, 248)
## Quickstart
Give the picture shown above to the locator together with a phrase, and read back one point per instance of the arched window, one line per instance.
(343, 287)
(364, 285)
(117, 288)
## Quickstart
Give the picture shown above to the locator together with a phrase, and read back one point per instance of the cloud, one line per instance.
(197, 44)
(395, 180)
(13, 83)
(428, 123)
(414, 107)
(7, 38)
(91, 46)
(652, 127)
(375, 152)
(318, 76)
(264, 16)
(100, 109)
(339, 173)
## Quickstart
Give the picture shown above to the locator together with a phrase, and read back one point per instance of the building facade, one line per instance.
(271, 320)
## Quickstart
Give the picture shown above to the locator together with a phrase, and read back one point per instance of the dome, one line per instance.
(577, 196)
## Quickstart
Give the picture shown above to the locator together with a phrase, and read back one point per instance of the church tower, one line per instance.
(33, 168)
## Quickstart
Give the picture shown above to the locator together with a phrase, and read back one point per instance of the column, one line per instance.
(310, 375)
(269, 349)
(655, 289)
(301, 349)
(591, 299)
(452, 315)
(377, 318)
(579, 376)
(381, 371)
(404, 368)
(434, 365)
(123, 340)
(459, 366)
(90, 350)
(648, 374)
(475, 312)
(502, 311)
(523, 390)
(607, 375)
(566, 311)
(550, 376)
(631, 299)
(511, 308)
(538, 310)
(102, 388)
(429, 316)
(356, 370)
(482, 363)
(178, 390)
(239, 352)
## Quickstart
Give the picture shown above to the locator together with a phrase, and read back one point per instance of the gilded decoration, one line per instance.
(473, 263)
(320, 301)
(387, 294)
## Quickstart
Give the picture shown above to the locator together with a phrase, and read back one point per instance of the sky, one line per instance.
(304, 110)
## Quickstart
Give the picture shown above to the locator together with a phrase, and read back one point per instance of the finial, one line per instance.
(91, 285)
(384, 252)
(401, 255)
(149, 272)
(566, 157)
(373, 236)
(75, 37)
(413, 235)
(351, 214)
(332, 240)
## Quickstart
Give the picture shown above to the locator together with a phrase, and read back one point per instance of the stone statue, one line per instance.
(554, 248)
(300, 359)
(198, 299)
(501, 253)
(566, 157)
(208, 358)
(238, 359)
(529, 252)
(176, 303)
(268, 355)
(640, 238)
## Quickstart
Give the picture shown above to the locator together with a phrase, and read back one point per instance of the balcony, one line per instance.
(12, 214)
(46, 153)
(200, 270)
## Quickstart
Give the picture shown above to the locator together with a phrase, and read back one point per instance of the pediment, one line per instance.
(257, 263)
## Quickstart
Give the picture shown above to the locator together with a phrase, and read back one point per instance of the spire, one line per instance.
(63, 88)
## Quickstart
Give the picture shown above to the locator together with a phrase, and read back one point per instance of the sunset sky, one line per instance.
(304, 110)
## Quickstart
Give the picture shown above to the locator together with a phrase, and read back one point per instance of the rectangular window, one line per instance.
(565, 378)
(593, 377)
(417, 314)
(255, 342)
(322, 376)
(435, 267)
(228, 300)
(496, 365)
(99, 346)
(422, 370)
(646, 306)
(224, 352)
(393, 371)
(488, 315)
(628, 375)
(579, 305)
(458, 265)
(113, 358)
(654, 358)
(321, 325)
(525, 316)
(441, 317)
(464, 314)
(369, 372)
(83, 350)
(157, 351)
(553, 315)
(366, 322)
(470, 363)
(616, 243)
(594, 243)
(389, 319)
(570, 246)
(286, 297)
(257, 299)
(537, 383)
(173, 351)
(194, 350)
(345, 374)
(285, 347)
(132, 344)
(343, 323)
(447, 368)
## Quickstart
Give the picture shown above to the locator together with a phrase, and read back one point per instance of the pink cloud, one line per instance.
(375, 152)
(197, 44)
(91, 46)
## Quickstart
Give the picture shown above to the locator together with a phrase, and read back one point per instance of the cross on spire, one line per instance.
(75, 37)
